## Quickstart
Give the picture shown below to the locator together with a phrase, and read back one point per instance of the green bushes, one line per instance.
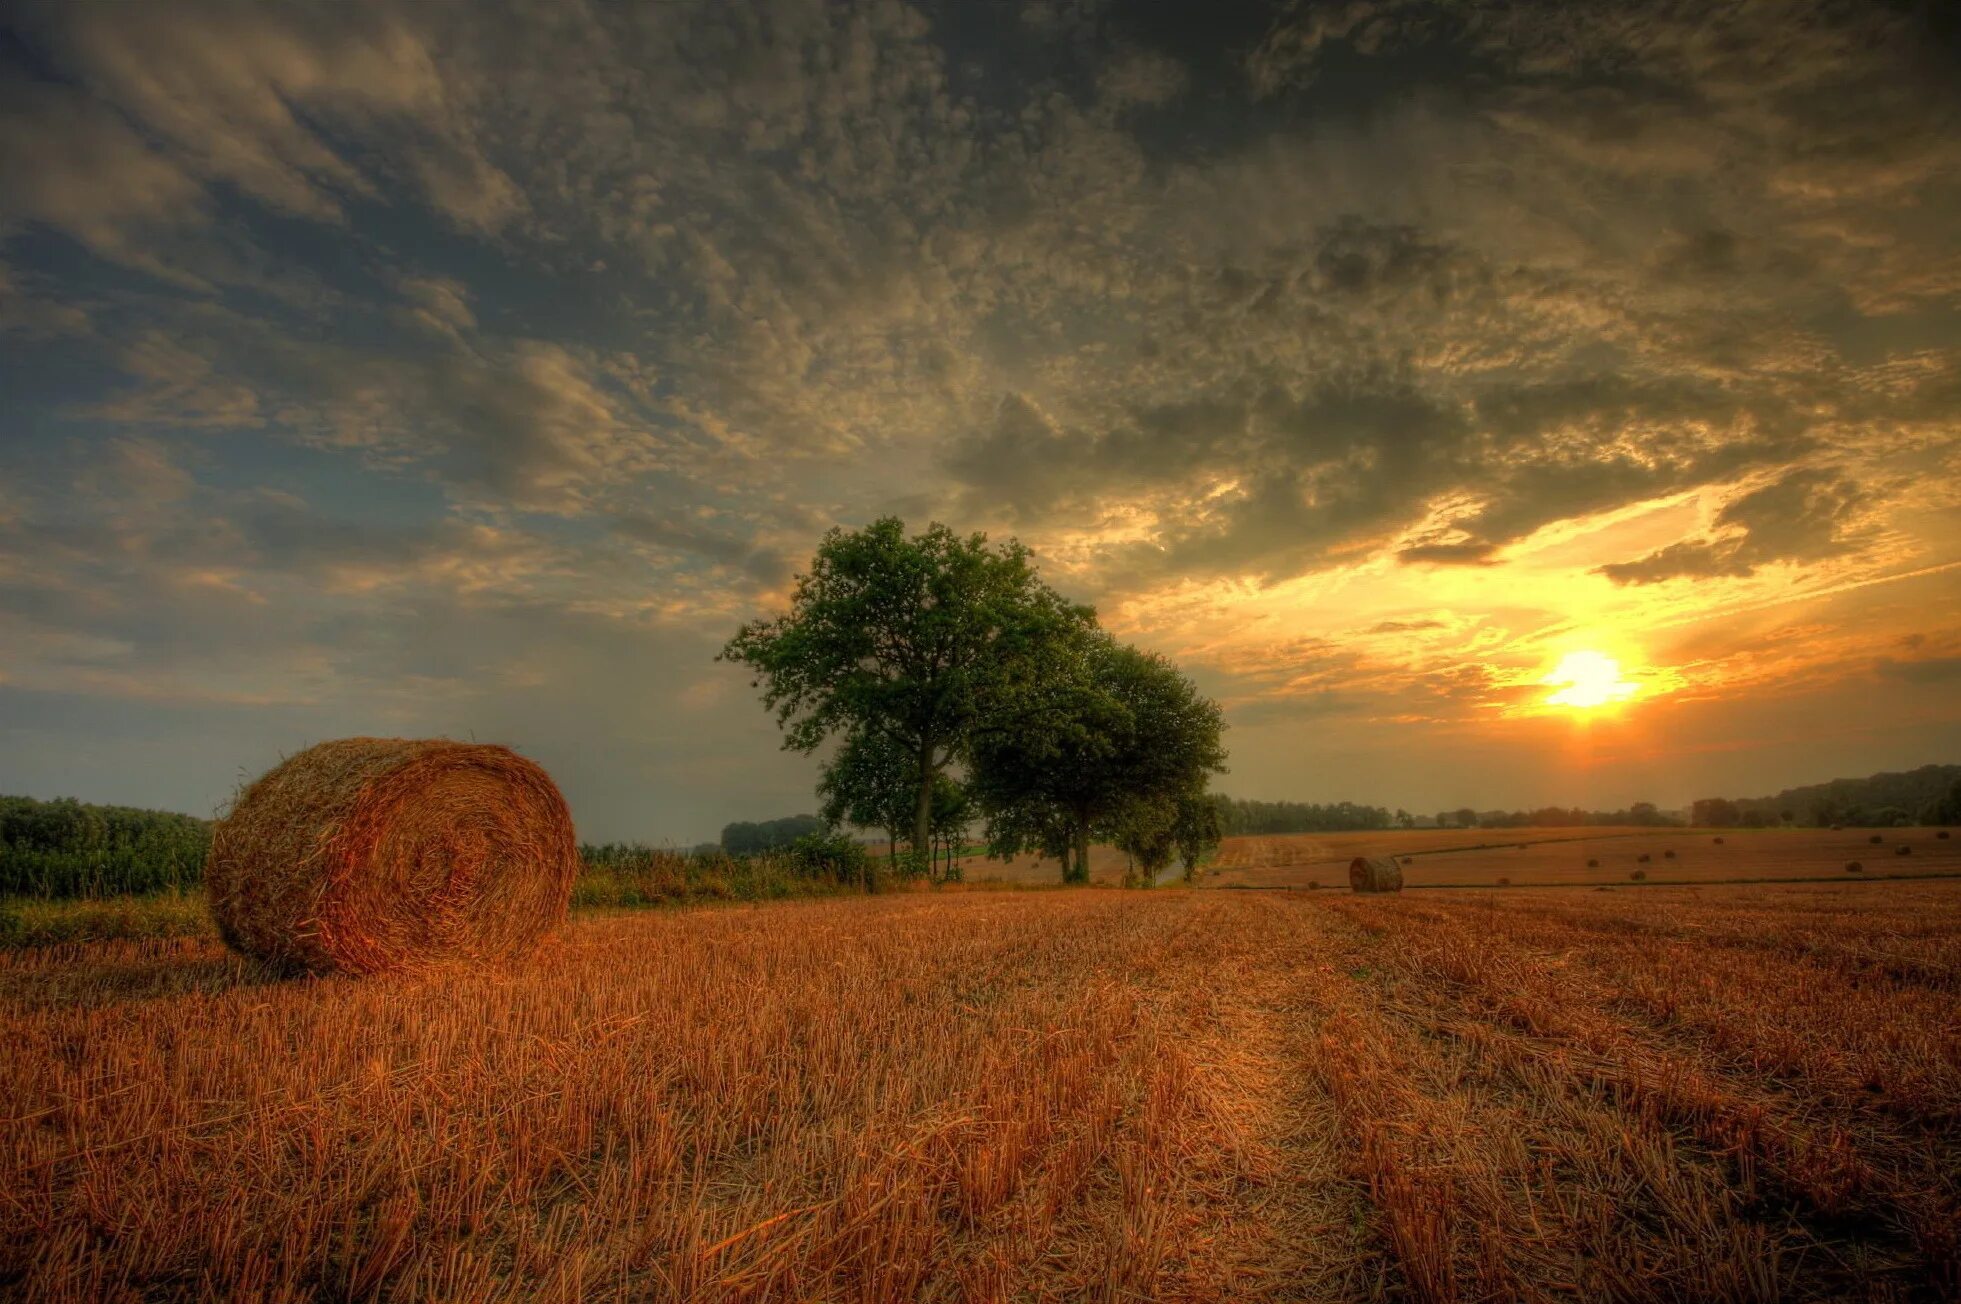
(31, 922)
(67, 849)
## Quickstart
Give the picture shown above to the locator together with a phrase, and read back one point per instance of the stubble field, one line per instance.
(1527, 857)
(1689, 1093)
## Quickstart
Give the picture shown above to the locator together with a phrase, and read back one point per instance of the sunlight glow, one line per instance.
(1586, 680)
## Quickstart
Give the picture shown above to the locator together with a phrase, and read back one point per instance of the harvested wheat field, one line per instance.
(1720, 1094)
(1526, 857)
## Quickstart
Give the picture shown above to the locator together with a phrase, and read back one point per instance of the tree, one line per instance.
(1122, 739)
(1466, 817)
(953, 811)
(1404, 819)
(1945, 809)
(1145, 830)
(922, 640)
(1714, 813)
(868, 783)
(1196, 830)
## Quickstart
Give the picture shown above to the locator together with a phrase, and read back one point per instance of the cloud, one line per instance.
(1804, 515)
(75, 166)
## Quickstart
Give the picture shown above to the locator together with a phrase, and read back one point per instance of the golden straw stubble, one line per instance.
(370, 854)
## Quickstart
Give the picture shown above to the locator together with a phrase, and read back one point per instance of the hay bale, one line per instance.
(1639, 875)
(1375, 874)
(1853, 867)
(370, 854)
(1644, 858)
(1503, 881)
(1668, 855)
(1719, 839)
(1593, 862)
(1876, 839)
(1903, 849)
(1942, 834)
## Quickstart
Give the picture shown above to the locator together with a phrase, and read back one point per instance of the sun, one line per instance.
(1588, 679)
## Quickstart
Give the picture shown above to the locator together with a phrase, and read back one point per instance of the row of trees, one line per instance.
(1928, 795)
(1642, 814)
(751, 838)
(67, 848)
(1237, 816)
(952, 684)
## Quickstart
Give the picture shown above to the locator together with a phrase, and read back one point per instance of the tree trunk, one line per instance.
(922, 812)
(1079, 872)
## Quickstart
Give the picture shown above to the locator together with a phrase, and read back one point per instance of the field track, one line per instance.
(1714, 1093)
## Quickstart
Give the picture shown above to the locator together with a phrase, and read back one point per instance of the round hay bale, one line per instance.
(1875, 839)
(1593, 862)
(1942, 834)
(1668, 855)
(1503, 881)
(1375, 874)
(1903, 849)
(1644, 858)
(1639, 875)
(1719, 839)
(370, 854)
(1853, 867)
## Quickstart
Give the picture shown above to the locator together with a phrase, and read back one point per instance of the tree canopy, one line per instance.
(1123, 740)
(921, 641)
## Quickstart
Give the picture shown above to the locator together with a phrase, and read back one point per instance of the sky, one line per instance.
(412, 367)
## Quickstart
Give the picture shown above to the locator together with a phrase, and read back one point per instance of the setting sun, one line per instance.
(1588, 679)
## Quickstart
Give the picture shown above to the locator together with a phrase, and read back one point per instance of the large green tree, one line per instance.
(1126, 737)
(926, 641)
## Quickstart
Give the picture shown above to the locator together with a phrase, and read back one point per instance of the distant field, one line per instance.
(1480, 857)
(1716, 1093)
(1561, 855)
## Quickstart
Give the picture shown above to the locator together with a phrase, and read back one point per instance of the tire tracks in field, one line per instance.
(1868, 1226)
(1299, 1228)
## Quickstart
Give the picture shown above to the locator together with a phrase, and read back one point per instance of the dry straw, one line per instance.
(371, 854)
(1375, 874)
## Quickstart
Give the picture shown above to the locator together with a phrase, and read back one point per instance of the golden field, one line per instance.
(1484, 857)
(1488, 857)
(1696, 1093)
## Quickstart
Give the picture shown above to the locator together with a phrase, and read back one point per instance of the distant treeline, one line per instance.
(67, 848)
(752, 838)
(1928, 795)
(1642, 814)
(1238, 815)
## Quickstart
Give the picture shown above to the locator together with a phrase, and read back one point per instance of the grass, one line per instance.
(1723, 1094)
(32, 921)
(613, 877)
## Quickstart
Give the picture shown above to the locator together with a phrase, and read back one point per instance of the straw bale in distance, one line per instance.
(370, 854)
(1375, 874)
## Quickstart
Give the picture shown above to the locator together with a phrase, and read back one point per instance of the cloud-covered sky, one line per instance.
(422, 367)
